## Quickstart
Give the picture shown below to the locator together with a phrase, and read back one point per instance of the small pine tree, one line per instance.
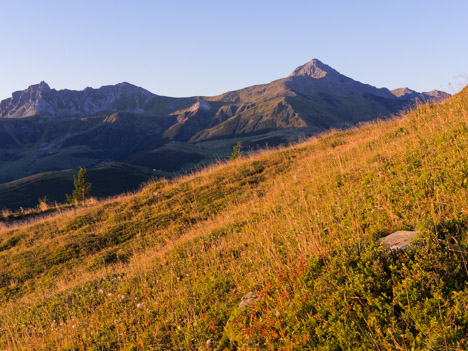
(82, 187)
(236, 151)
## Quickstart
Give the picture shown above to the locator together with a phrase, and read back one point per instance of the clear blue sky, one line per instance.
(183, 48)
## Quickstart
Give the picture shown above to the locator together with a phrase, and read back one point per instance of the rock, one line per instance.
(399, 240)
(200, 105)
(248, 299)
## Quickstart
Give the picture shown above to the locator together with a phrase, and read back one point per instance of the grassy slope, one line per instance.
(166, 267)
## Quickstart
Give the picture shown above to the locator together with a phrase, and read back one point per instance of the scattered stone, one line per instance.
(399, 240)
(248, 299)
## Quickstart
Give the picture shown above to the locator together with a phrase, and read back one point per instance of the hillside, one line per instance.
(295, 229)
(47, 130)
(26, 191)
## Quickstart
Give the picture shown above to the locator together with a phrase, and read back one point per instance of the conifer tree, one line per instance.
(82, 187)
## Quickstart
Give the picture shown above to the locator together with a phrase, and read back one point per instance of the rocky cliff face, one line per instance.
(40, 99)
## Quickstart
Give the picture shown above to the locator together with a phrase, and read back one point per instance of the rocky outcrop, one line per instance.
(40, 99)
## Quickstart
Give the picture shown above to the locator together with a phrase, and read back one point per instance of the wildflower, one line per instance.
(122, 297)
(139, 305)
(101, 291)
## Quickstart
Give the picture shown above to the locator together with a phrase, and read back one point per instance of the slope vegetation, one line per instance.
(167, 267)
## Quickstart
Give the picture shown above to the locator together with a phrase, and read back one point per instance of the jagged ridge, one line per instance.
(41, 99)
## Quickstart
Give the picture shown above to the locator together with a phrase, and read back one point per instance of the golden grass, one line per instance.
(165, 267)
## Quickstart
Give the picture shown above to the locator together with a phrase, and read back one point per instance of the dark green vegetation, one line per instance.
(82, 189)
(236, 151)
(44, 130)
(166, 268)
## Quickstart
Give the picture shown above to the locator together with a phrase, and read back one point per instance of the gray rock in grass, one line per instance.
(399, 240)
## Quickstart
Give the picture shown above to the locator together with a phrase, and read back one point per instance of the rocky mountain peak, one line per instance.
(314, 69)
(42, 86)
(35, 90)
(438, 94)
(126, 85)
(402, 92)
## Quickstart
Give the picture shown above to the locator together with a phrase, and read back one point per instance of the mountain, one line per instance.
(314, 98)
(431, 96)
(40, 99)
(273, 251)
(44, 130)
(314, 81)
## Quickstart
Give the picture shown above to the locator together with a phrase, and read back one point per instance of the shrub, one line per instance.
(236, 151)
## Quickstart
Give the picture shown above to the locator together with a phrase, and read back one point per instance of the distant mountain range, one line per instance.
(313, 78)
(142, 134)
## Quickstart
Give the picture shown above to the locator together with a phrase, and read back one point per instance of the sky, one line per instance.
(186, 48)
